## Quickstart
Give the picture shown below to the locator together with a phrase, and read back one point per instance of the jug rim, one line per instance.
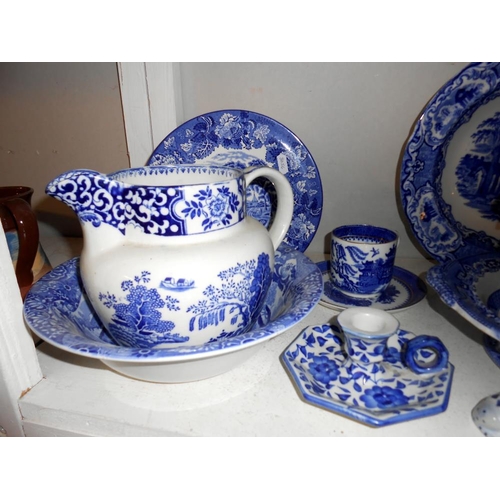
(217, 169)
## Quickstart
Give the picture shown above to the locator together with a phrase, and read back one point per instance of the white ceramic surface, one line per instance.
(486, 416)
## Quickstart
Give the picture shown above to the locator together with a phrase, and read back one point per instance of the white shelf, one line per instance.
(81, 396)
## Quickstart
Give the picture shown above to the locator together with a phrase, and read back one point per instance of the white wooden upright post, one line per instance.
(152, 105)
(19, 367)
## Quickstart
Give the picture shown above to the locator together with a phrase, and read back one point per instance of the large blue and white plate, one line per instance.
(450, 173)
(240, 138)
(58, 311)
(315, 362)
(471, 286)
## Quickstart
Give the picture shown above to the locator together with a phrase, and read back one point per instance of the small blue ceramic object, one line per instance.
(368, 375)
(362, 259)
(425, 354)
(486, 416)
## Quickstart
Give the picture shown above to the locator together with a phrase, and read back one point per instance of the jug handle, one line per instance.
(284, 192)
(28, 234)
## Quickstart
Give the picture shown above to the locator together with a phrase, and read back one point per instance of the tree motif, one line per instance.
(240, 297)
(479, 174)
(217, 208)
(137, 319)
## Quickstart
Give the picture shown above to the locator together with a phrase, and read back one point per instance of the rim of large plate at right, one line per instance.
(450, 172)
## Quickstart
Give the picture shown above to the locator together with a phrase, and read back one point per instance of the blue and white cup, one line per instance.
(362, 259)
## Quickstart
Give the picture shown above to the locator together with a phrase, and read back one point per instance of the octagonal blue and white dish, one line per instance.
(241, 138)
(450, 173)
(315, 360)
(59, 312)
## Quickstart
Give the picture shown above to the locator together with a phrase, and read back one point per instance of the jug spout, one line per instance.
(90, 194)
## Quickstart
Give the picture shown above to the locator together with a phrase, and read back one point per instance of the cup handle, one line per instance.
(414, 356)
(27, 230)
(284, 212)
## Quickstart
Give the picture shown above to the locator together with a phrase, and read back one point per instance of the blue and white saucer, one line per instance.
(240, 138)
(315, 362)
(404, 291)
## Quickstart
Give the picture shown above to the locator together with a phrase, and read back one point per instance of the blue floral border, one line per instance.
(423, 164)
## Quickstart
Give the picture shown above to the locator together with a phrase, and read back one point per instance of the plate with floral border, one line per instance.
(316, 362)
(450, 172)
(58, 311)
(240, 138)
(404, 291)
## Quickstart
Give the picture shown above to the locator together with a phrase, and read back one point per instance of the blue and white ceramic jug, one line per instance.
(170, 256)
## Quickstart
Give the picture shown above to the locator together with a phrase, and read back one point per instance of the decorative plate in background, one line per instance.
(450, 173)
(242, 138)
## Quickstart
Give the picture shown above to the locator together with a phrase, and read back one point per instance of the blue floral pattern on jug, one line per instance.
(375, 393)
(239, 139)
(138, 316)
(160, 210)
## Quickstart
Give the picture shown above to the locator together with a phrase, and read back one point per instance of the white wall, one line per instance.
(353, 117)
(56, 117)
